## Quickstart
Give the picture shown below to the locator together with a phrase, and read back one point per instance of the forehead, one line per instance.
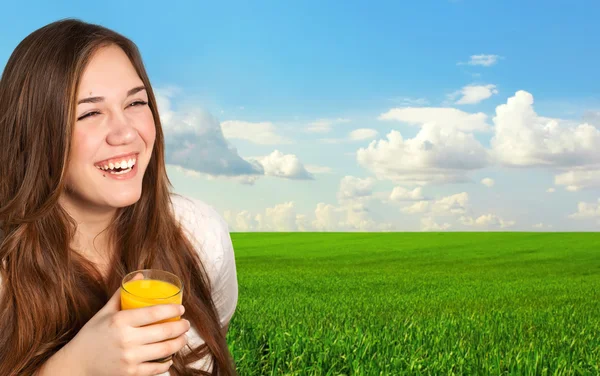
(108, 73)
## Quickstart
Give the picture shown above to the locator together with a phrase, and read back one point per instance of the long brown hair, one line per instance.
(48, 291)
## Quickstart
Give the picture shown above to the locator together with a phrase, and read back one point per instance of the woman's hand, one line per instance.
(120, 343)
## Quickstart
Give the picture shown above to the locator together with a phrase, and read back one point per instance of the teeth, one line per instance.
(124, 164)
(120, 172)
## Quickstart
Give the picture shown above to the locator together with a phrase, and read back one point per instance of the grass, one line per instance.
(417, 304)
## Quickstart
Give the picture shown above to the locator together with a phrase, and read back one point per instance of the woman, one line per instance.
(85, 199)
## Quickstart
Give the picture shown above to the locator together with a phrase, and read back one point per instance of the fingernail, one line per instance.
(181, 309)
(170, 363)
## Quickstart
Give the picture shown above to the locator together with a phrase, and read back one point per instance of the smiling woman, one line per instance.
(84, 200)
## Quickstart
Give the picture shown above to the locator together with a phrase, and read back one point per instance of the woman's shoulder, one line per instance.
(204, 226)
(195, 210)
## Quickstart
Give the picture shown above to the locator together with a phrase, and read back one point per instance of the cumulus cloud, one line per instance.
(262, 133)
(542, 226)
(578, 179)
(587, 210)
(482, 60)
(408, 102)
(489, 221)
(282, 165)
(363, 134)
(314, 169)
(488, 182)
(524, 139)
(282, 217)
(429, 224)
(352, 213)
(324, 125)
(417, 207)
(194, 141)
(550, 190)
(352, 188)
(399, 194)
(473, 94)
(434, 156)
(453, 204)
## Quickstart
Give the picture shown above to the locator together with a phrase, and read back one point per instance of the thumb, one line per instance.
(114, 303)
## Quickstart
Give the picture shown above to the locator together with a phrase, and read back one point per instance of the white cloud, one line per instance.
(454, 204)
(194, 141)
(483, 60)
(243, 221)
(542, 226)
(326, 217)
(522, 138)
(324, 125)
(352, 212)
(587, 210)
(353, 188)
(282, 165)
(241, 179)
(473, 94)
(441, 117)
(448, 205)
(417, 207)
(262, 133)
(579, 179)
(314, 169)
(363, 134)
(550, 190)
(488, 221)
(488, 182)
(434, 156)
(282, 217)
(429, 224)
(403, 194)
(406, 101)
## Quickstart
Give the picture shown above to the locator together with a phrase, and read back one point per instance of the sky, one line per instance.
(457, 115)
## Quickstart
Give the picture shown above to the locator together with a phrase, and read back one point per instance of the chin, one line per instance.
(124, 199)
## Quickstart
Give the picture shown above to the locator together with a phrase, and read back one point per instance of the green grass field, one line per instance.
(417, 304)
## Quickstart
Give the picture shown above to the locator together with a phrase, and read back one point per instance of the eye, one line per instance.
(93, 113)
(138, 103)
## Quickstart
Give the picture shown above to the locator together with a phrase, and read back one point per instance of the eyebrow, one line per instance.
(100, 99)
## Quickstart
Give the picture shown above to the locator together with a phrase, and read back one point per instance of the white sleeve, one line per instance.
(209, 233)
(225, 288)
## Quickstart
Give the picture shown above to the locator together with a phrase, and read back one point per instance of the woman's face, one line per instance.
(113, 136)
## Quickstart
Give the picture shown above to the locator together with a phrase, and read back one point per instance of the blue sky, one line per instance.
(276, 88)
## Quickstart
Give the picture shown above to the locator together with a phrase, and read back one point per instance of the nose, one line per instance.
(121, 130)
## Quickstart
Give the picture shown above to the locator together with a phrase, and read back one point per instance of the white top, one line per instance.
(209, 234)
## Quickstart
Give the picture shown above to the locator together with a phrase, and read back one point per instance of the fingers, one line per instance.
(148, 315)
(114, 303)
(153, 368)
(158, 350)
(160, 332)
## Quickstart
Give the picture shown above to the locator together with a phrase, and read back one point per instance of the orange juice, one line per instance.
(148, 292)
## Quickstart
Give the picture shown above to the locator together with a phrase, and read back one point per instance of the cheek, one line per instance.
(147, 129)
(83, 145)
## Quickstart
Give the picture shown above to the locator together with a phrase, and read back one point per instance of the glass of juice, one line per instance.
(148, 287)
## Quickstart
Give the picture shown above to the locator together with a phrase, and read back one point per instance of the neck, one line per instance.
(91, 236)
